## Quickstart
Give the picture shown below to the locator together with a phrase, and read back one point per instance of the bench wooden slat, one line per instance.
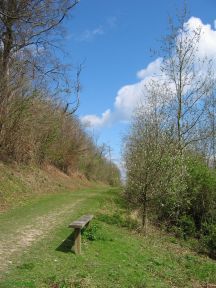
(81, 222)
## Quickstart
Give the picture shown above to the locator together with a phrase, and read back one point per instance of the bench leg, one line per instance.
(77, 241)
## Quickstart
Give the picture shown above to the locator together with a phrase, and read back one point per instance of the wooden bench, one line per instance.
(78, 225)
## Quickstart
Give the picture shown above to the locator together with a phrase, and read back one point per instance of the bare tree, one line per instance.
(212, 118)
(189, 78)
(208, 145)
(26, 23)
(26, 41)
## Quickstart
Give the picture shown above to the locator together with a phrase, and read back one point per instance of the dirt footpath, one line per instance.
(24, 237)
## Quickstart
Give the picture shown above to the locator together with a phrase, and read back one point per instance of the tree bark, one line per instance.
(144, 214)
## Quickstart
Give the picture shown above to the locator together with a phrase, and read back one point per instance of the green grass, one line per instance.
(113, 253)
(20, 184)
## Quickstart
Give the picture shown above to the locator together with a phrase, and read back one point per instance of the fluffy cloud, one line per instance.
(207, 44)
(95, 121)
(129, 96)
(153, 69)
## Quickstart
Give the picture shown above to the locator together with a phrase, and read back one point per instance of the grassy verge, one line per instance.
(20, 184)
(113, 255)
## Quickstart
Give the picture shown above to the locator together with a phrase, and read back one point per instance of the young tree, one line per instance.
(153, 163)
(190, 79)
(210, 152)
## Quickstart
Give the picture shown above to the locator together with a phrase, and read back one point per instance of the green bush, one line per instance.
(91, 233)
(119, 220)
(95, 232)
(201, 191)
(208, 239)
(185, 213)
(187, 226)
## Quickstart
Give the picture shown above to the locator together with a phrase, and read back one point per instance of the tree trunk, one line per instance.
(144, 215)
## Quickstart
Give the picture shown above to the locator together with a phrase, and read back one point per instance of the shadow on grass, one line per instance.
(67, 244)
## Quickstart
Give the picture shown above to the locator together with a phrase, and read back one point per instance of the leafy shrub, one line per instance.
(176, 231)
(201, 191)
(208, 239)
(119, 220)
(94, 232)
(91, 233)
(181, 204)
(187, 226)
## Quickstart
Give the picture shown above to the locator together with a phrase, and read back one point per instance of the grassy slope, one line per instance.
(18, 184)
(117, 258)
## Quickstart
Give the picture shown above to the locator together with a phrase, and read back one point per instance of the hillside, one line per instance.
(20, 183)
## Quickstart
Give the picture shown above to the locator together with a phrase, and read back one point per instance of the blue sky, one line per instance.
(114, 38)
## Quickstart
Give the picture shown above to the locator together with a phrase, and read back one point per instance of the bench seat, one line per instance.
(78, 225)
(81, 222)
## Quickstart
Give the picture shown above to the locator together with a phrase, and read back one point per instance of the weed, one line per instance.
(26, 266)
(75, 283)
(94, 232)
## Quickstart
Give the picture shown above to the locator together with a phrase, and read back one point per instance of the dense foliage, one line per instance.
(169, 152)
(172, 188)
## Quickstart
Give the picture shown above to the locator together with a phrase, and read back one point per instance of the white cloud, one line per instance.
(152, 69)
(207, 44)
(129, 96)
(88, 35)
(95, 121)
